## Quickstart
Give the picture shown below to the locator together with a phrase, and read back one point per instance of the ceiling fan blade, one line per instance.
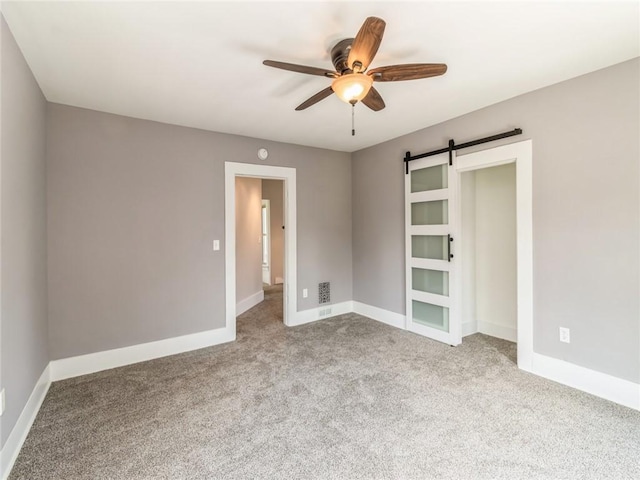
(301, 68)
(321, 95)
(408, 71)
(366, 43)
(373, 100)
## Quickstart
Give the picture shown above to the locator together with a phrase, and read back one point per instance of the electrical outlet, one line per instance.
(565, 335)
(305, 293)
(1, 402)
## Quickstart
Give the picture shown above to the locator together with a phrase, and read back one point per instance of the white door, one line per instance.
(430, 214)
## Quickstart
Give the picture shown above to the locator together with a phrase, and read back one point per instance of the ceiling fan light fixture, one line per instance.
(352, 56)
(352, 87)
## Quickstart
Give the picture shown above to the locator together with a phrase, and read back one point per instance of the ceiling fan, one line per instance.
(351, 57)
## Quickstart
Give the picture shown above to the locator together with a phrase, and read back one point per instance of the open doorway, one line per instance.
(244, 256)
(496, 263)
(259, 244)
(489, 303)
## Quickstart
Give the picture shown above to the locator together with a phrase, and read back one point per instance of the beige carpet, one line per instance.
(346, 397)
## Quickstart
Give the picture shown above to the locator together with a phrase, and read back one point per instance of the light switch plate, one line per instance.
(216, 245)
(305, 293)
(1, 402)
(565, 335)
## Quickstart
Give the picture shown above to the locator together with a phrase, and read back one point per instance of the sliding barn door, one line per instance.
(430, 214)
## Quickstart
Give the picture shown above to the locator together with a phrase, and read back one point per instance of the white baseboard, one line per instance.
(469, 328)
(596, 383)
(498, 331)
(379, 314)
(118, 357)
(249, 302)
(19, 433)
(321, 313)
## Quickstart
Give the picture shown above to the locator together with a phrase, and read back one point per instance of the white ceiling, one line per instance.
(199, 64)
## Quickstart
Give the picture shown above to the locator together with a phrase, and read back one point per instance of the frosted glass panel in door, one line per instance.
(430, 213)
(429, 246)
(430, 281)
(430, 315)
(430, 178)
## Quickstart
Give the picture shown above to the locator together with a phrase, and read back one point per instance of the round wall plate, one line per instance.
(263, 153)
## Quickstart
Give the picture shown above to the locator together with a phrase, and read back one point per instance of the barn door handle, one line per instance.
(449, 254)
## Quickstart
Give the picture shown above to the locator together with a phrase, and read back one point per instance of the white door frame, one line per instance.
(521, 154)
(288, 176)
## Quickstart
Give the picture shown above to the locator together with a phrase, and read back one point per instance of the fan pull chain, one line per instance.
(353, 119)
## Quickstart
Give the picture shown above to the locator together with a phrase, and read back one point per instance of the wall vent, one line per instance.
(324, 292)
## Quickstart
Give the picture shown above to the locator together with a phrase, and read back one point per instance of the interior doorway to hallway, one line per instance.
(259, 240)
(259, 245)
(243, 183)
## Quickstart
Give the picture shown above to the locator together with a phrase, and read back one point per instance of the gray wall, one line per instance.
(133, 208)
(248, 234)
(23, 223)
(586, 223)
(272, 190)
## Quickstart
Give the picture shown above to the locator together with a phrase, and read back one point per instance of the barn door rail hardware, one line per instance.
(452, 146)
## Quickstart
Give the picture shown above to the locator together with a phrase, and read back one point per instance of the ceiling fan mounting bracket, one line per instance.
(340, 55)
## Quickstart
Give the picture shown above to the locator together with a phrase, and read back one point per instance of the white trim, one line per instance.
(431, 264)
(379, 314)
(522, 154)
(432, 298)
(320, 313)
(428, 229)
(429, 195)
(498, 331)
(21, 429)
(118, 357)
(486, 160)
(429, 162)
(290, 287)
(266, 276)
(433, 333)
(249, 302)
(596, 383)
